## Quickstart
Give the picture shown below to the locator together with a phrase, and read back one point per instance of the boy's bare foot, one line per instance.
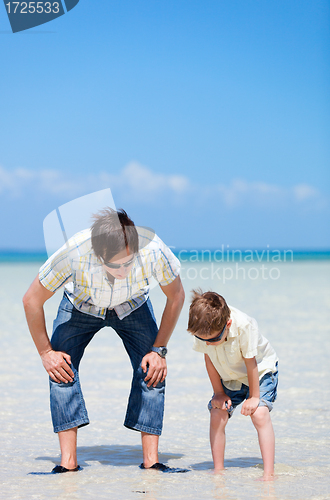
(267, 477)
(218, 470)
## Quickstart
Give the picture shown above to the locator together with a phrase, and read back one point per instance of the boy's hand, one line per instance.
(250, 406)
(219, 400)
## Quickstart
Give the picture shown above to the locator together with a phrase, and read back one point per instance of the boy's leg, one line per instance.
(263, 424)
(218, 422)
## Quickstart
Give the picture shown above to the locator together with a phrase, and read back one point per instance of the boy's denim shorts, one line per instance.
(268, 393)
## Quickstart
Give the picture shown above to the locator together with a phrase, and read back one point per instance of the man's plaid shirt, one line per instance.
(85, 281)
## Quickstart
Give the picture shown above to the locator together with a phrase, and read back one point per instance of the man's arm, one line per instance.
(251, 404)
(174, 302)
(55, 362)
(220, 398)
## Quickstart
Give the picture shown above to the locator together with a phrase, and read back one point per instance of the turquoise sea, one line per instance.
(223, 254)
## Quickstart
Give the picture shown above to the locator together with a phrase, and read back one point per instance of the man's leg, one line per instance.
(149, 449)
(68, 445)
(138, 332)
(72, 332)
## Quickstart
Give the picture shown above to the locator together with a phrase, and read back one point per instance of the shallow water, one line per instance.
(292, 312)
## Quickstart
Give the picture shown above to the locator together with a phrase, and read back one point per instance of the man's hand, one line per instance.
(219, 400)
(250, 406)
(156, 367)
(56, 364)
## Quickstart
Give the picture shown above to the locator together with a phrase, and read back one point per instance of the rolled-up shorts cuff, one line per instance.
(71, 425)
(268, 392)
(230, 410)
(264, 402)
(143, 428)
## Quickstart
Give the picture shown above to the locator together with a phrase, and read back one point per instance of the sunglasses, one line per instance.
(112, 265)
(214, 339)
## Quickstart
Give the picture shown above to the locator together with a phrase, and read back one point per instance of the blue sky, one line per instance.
(208, 119)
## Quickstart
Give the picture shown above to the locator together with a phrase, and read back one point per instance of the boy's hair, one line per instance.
(208, 313)
(112, 232)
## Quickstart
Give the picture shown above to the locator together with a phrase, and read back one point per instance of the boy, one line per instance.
(242, 366)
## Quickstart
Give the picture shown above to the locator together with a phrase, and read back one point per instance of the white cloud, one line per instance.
(55, 183)
(24, 174)
(18, 182)
(304, 192)
(240, 192)
(137, 179)
(137, 183)
(6, 181)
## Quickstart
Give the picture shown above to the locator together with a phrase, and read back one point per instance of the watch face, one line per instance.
(163, 351)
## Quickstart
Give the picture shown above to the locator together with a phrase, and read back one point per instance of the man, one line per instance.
(106, 272)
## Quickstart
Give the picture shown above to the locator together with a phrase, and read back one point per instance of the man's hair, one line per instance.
(208, 313)
(112, 232)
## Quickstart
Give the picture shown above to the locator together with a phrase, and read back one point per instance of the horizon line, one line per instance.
(196, 255)
(223, 247)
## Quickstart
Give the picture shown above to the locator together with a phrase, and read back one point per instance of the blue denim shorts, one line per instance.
(72, 332)
(268, 392)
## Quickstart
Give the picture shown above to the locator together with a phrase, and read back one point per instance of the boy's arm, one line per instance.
(220, 397)
(251, 404)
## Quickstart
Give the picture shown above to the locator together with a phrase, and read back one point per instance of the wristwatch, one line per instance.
(162, 351)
